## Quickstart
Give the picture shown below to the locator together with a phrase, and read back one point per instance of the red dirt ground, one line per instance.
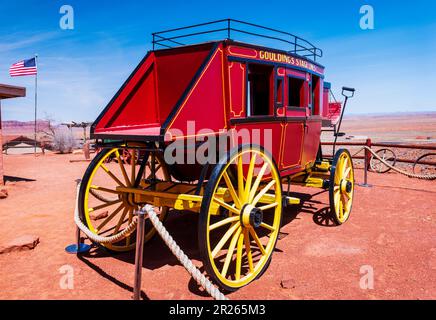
(392, 229)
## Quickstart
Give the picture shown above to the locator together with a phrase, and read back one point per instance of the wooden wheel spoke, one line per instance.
(248, 250)
(249, 176)
(104, 205)
(223, 222)
(109, 230)
(230, 251)
(269, 206)
(120, 221)
(337, 201)
(112, 175)
(240, 180)
(347, 172)
(232, 190)
(105, 189)
(267, 226)
(226, 206)
(123, 170)
(346, 200)
(133, 167)
(257, 182)
(262, 192)
(341, 210)
(338, 170)
(239, 256)
(344, 168)
(224, 239)
(337, 179)
(110, 217)
(257, 240)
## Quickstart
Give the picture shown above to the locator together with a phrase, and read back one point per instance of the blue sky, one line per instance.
(393, 67)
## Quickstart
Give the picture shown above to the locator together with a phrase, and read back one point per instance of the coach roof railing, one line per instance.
(173, 37)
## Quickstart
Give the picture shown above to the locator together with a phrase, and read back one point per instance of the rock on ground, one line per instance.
(23, 243)
(3, 193)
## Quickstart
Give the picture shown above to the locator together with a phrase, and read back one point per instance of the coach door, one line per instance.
(294, 123)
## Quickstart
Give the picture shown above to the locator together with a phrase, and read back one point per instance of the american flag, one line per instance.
(23, 68)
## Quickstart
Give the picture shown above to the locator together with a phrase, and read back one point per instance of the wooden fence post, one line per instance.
(366, 165)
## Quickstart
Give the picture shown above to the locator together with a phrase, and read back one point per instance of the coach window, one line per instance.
(259, 95)
(279, 92)
(295, 92)
(315, 96)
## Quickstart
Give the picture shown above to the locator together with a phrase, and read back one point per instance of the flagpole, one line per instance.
(36, 98)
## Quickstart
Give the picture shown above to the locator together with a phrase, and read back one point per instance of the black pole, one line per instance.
(339, 125)
(36, 100)
(139, 255)
(338, 131)
(228, 28)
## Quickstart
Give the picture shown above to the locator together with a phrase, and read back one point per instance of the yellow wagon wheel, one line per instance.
(341, 188)
(107, 211)
(240, 217)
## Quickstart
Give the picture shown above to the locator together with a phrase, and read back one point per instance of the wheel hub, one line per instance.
(251, 216)
(346, 186)
(129, 199)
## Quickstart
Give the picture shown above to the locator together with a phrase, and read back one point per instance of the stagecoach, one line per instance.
(196, 99)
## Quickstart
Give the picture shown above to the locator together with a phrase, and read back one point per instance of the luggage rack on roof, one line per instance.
(170, 38)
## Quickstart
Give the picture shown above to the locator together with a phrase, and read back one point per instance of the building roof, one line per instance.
(16, 139)
(8, 91)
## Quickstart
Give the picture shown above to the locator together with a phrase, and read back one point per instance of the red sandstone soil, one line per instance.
(392, 229)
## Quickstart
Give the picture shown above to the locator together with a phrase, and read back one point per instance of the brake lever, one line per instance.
(347, 89)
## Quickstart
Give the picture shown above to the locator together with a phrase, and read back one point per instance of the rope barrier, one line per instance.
(181, 256)
(408, 174)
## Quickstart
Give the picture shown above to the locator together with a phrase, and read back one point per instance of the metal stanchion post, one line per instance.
(366, 164)
(79, 246)
(138, 256)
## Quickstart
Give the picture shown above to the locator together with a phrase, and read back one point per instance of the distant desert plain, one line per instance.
(419, 127)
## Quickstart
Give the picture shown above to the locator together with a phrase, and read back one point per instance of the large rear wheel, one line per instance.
(240, 217)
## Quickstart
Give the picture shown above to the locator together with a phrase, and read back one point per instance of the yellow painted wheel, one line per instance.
(240, 217)
(341, 188)
(107, 211)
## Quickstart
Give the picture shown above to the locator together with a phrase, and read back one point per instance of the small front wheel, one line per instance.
(341, 189)
(240, 217)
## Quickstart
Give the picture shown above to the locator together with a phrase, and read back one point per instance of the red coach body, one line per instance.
(208, 84)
